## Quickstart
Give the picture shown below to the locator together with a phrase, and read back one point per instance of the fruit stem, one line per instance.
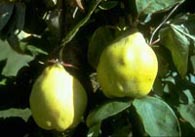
(68, 65)
(61, 54)
(164, 21)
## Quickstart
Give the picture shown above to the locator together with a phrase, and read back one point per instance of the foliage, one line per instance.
(35, 32)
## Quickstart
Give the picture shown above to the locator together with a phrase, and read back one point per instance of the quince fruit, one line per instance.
(58, 100)
(127, 67)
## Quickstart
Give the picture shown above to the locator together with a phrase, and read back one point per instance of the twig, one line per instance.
(163, 22)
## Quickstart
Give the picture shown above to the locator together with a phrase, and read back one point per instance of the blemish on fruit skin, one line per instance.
(121, 61)
(119, 85)
(48, 123)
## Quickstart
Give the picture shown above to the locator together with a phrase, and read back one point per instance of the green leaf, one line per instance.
(6, 10)
(152, 6)
(23, 35)
(94, 130)
(32, 49)
(3, 82)
(123, 131)
(107, 5)
(50, 3)
(14, 60)
(178, 44)
(158, 87)
(100, 39)
(20, 15)
(192, 60)
(53, 22)
(29, 43)
(188, 95)
(13, 41)
(179, 38)
(157, 117)
(106, 110)
(188, 113)
(163, 60)
(13, 112)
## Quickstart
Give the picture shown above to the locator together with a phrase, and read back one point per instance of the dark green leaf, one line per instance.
(107, 110)
(14, 42)
(94, 130)
(192, 79)
(163, 60)
(152, 6)
(123, 131)
(3, 82)
(54, 23)
(13, 112)
(32, 49)
(100, 39)
(107, 5)
(157, 117)
(188, 95)
(188, 113)
(179, 38)
(14, 60)
(6, 10)
(50, 3)
(158, 87)
(20, 15)
(192, 60)
(170, 79)
(175, 40)
(23, 35)
(73, 32)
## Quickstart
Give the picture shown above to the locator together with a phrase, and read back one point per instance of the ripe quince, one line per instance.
(127, 67)
(57, 100)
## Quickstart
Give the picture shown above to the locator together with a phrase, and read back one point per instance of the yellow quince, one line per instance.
(58, 100)
(127, 67)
